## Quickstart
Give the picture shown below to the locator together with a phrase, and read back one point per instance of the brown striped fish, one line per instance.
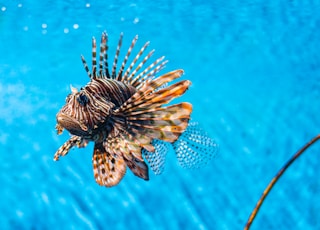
(125, 114)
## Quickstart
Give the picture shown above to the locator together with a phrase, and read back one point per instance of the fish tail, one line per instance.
(195, 148)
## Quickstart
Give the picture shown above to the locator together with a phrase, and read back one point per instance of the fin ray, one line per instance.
(108, 168)
(195, 148)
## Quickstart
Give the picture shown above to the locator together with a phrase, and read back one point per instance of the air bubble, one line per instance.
(136, 20)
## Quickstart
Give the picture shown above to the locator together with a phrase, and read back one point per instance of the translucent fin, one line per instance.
(157, 158)
(194, 148)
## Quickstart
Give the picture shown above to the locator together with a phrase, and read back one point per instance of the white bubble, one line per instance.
(44, 25)
(20, 5)
(19, 213)
(75, 26)
(3, 8)
(66, 30)
(88, 5)
(136, 20)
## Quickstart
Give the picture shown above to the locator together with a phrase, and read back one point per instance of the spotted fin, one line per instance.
(138, 167)
(108, 168)
(130, 149)
(68, 145)
(157, 159)
(195, 148)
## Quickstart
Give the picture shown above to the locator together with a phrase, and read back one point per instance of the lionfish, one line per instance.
(123, 113)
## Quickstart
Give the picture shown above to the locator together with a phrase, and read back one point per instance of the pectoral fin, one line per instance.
(108, 168)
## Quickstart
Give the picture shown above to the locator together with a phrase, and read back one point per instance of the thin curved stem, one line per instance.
(276, 178)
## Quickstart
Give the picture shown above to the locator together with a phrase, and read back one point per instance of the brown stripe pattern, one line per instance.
(123, 112)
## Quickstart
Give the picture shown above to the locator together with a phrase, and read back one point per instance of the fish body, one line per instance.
(126, 115)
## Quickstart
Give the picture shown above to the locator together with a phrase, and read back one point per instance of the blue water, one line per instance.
(255, 69)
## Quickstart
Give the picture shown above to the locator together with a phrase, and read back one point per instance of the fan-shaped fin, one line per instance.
(108, 168)
(138, 167)
(145, 115)
(127, 76)
(165, 123)
(129, 147)
(194, 148)
(147, 90)
(157, 158)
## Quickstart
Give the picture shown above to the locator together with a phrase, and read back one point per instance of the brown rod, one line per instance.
(275, 179)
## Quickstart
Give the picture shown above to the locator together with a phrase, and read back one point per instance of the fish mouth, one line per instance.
(71, 124)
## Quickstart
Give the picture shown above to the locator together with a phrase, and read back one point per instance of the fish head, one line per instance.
(83, 114)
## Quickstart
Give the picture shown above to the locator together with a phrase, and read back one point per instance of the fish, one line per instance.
(129, 116)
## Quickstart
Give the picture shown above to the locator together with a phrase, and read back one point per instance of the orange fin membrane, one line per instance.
(108, 168)
(139, 168)
(144, 112)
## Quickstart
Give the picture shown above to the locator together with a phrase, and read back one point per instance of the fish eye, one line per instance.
(82, 99)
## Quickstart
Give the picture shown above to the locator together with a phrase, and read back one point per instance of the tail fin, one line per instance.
(194, 148)
(157, 158)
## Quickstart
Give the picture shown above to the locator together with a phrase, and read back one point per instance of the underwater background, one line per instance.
(255, 72)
